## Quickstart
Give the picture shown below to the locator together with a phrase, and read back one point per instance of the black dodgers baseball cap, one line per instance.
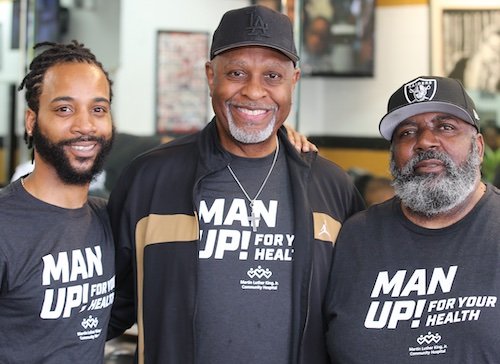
(254, 26)
(428, 94)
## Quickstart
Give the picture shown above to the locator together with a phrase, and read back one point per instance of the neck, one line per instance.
(49, 188)
(450, 217)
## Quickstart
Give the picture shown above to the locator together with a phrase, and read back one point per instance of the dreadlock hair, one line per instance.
(57, 53)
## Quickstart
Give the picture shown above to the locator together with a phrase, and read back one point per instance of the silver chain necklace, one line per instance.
(253, 219)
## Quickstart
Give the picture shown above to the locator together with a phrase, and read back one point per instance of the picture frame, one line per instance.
(465, 42)
(337, 38)
(181, 88)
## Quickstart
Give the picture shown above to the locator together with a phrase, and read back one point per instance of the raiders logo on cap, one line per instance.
(428, 94)
(422, 89)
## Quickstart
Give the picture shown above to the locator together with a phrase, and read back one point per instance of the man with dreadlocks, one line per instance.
(56, 247)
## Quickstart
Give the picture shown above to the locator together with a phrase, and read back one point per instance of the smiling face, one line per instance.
(73, 130)
(251, 90)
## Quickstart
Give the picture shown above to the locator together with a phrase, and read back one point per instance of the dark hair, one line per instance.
(73, 52)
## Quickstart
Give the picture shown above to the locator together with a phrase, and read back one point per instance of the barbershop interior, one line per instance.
(354, 53)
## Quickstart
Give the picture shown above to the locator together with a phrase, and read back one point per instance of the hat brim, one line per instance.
(392, 119)
(292, 56)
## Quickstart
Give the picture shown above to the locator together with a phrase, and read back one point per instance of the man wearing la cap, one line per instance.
(225, 238)
(416, 279)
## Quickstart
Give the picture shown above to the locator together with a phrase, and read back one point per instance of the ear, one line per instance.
(296, 77)
(210, 73)
(29, 121)
(480, 144)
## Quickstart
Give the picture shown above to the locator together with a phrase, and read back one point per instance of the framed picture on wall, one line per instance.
(465, 42)
(181, 88)
(337, 37)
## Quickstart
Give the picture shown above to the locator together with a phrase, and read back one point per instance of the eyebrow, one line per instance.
(241, 62)
(406, 122)
(69, 98)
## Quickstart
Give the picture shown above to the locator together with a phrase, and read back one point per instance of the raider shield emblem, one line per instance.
(422, 89)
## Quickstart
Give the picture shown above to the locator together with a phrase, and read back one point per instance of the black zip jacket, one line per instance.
(156, 230)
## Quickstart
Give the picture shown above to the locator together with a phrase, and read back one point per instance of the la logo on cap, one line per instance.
(421, 89)
(257, 25)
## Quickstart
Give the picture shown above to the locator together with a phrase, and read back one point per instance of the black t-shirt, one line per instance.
(57, 280)
(244, 295)
(405, 294)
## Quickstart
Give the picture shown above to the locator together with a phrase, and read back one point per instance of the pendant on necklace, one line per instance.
(253, 219)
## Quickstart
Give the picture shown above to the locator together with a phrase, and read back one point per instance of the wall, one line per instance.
(343, 106)
(135, 82)
(122, 33)
(353, 106)
(97, 25)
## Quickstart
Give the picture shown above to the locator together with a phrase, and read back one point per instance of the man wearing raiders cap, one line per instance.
(225, 238)
(416, 279)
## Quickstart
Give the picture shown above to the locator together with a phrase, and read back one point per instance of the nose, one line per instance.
(254, 88)
(426, 139)
(84, 123)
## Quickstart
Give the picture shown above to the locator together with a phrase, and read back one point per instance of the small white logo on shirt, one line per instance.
(90, 322)
(429, 338)
(259, 272)
(324, 230)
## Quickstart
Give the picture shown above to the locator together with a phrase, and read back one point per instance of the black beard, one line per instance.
(53, 153)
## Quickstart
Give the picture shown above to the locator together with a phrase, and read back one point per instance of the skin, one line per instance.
(257, 83)
(74, 102)
(299, 141)
(444, 133)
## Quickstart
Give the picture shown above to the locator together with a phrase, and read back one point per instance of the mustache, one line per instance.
(426, 155)
(83, 138)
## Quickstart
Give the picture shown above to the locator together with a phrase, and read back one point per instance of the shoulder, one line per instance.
(373, 218)
(10, 194)
(98, 206)
(180, 151)
(328, 176)
(491, 201)
(328, 169)
(97, 203)
(6, 191)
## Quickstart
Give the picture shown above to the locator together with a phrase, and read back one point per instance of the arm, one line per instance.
(123, 313)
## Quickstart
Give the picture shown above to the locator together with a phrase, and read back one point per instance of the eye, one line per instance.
(274, 76)
(447, 127)
(236, 74)
(406, 132)
(100, 109)
(63, 109)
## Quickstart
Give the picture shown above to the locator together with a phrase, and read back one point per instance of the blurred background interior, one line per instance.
(354, 53)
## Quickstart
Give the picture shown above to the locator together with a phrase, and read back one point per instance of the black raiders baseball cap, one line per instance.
(428, 94)
(254, 26)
